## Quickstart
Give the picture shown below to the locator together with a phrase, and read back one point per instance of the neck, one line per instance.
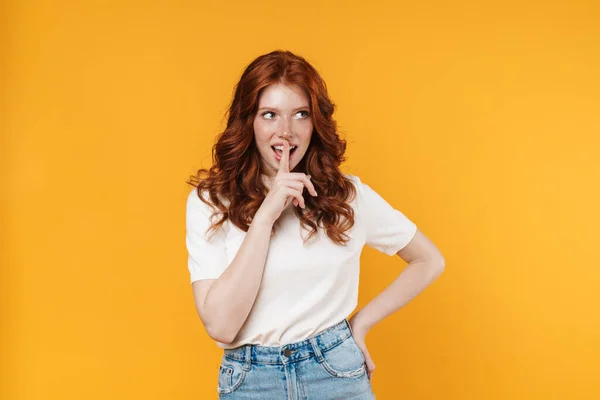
(267, 179)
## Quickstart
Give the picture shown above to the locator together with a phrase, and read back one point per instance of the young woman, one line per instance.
(274, 235)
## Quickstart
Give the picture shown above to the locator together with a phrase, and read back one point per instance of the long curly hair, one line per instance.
(235, 173)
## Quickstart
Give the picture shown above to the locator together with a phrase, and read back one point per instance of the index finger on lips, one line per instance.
(284, 162)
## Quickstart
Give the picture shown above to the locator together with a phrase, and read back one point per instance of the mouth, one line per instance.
(278, 151)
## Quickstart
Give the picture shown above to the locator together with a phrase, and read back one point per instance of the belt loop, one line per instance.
(316, 349)
(349, 327)
(248, 357)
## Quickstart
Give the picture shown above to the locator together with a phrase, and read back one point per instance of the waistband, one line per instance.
(292, 352)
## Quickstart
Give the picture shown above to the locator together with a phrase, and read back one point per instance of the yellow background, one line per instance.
(479, 122)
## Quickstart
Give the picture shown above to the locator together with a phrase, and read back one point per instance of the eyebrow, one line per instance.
(277, 109)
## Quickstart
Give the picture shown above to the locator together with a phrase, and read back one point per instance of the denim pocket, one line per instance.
(345, 360)
(231, 375)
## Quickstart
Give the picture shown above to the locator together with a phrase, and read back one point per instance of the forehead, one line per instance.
(285, 96)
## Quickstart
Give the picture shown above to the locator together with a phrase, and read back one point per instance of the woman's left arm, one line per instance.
(425, 264)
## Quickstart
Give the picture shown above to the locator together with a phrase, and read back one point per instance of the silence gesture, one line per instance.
(286, 187)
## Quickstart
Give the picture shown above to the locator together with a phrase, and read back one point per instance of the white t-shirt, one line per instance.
(305, 288)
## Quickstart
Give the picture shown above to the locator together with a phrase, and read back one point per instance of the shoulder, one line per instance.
(196, 209)
(200, 216)
(352, 178)
(365, 194)
(358, 186)
(356, 181)
(195, 203)
(193, 198)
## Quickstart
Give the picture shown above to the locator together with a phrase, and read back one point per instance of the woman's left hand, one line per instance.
(359, 335)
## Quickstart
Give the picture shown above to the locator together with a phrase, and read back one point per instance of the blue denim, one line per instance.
(326, 366)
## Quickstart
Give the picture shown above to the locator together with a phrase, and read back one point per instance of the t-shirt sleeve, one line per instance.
(207, 259)
(387, 229)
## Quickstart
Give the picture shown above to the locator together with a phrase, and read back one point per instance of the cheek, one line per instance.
(306, 132)
(303, 128)
(260, 134)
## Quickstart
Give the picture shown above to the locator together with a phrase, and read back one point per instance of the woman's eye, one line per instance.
(271, 114)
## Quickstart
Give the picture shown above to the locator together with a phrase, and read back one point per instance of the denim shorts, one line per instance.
(326, 366)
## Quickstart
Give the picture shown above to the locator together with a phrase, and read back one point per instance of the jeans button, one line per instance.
(287, 352)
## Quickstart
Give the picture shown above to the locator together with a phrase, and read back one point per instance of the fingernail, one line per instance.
(308, 176)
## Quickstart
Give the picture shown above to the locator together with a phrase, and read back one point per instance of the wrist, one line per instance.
(260, 220)
(358, 324)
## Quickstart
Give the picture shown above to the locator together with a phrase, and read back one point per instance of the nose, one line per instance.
(286, 136)
(285, 133)
(285, 127)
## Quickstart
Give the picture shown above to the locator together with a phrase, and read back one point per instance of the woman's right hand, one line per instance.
(286, 187)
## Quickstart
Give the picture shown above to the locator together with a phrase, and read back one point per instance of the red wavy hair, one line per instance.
(235, 173)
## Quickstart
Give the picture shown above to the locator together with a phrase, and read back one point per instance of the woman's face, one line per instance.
(283, 112)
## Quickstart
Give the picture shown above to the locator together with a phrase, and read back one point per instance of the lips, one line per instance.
(278, 154)
(281, 144)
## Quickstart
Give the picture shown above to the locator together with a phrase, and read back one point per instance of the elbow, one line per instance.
(433, 267)
(220, 335)
(437, 267)
(213, 326)
(221, 338)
